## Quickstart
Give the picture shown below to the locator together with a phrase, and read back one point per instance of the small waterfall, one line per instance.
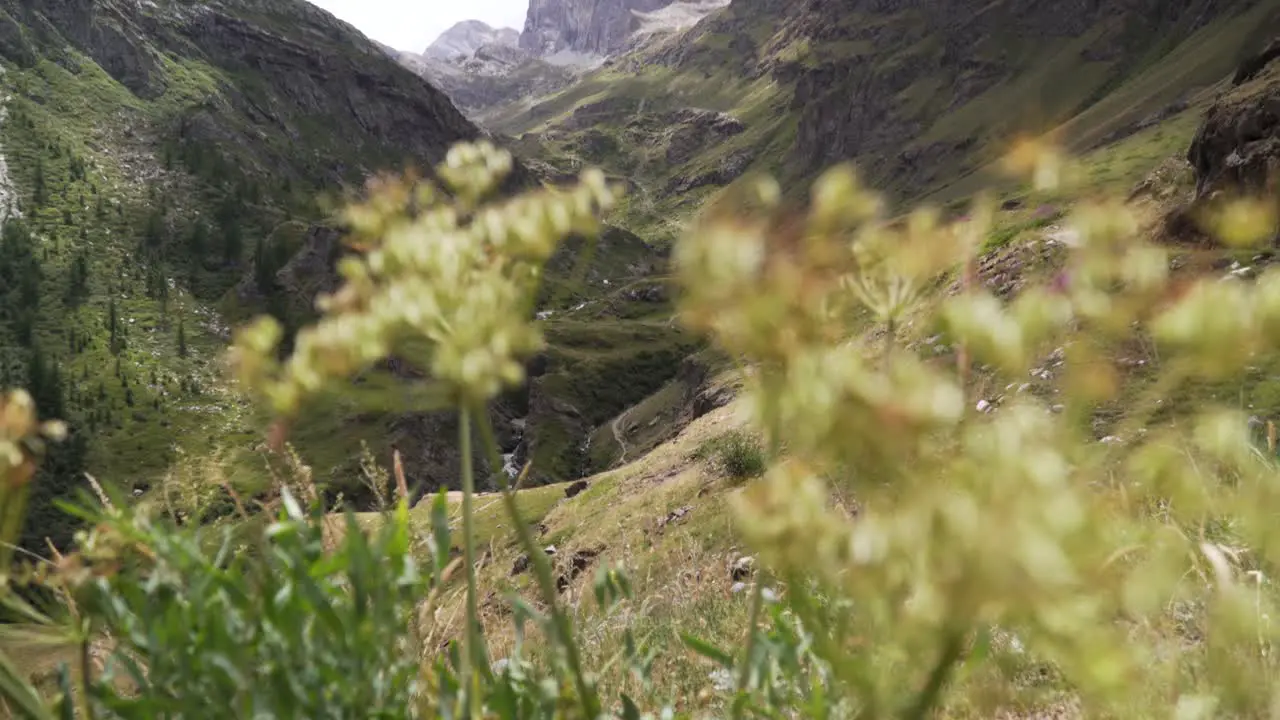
(8, 195)
(509, 465)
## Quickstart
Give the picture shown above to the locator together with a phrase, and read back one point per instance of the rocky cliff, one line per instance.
(585, 26)
(486, 71)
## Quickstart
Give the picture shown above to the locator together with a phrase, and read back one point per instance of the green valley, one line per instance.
(849, 358)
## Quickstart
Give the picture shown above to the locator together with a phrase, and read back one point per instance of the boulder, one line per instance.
(1255, 64)
(578, 562)
(1237, 147)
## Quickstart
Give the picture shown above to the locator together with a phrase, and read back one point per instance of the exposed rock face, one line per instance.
(1237, 148)
(669, 20)
(1252, 66)
(726, 171)
(468, 36)
(479, 67)
(585, 26)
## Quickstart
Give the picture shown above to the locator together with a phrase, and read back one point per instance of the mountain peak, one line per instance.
(466, 37)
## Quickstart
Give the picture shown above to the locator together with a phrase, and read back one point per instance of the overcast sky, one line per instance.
(415, 24)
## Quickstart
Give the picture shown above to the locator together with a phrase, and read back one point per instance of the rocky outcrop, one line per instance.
(112, 34)
(1252, 66)
(730, 168)
(695, 129)
(1237, 147)
(468, 36)
(585, 26)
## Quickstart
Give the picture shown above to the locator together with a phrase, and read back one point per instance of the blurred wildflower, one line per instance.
(1242, 222)
(22, 437)
(437, 266)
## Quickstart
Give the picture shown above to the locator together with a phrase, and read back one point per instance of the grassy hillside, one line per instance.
(922, 113)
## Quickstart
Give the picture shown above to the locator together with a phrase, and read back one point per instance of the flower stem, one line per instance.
(471, 639)
(929, 697)
(744, 672)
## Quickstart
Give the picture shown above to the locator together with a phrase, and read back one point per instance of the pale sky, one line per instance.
(415, 24)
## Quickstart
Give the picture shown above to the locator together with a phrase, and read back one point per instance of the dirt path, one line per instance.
(617, 434)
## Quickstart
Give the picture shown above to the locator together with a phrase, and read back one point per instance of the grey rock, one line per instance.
(490, 76)
(1237, 147)
(655, 293)
(674, 516)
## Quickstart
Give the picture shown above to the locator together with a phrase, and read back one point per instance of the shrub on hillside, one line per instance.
(736, 453)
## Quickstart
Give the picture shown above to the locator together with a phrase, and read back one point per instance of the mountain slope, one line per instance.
(160, 154)
(918, 97)
(167, 159)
